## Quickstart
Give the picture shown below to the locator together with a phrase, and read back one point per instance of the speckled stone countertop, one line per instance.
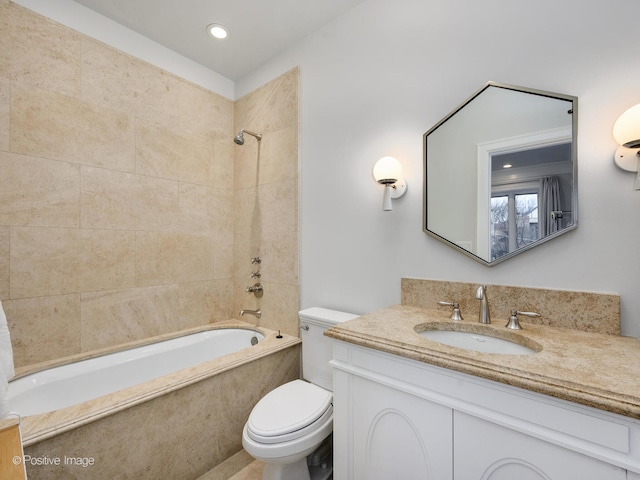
(592, 369)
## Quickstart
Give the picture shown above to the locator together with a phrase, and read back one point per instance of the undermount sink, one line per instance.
(466, 336)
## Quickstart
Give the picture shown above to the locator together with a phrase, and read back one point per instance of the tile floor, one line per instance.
(239, 467)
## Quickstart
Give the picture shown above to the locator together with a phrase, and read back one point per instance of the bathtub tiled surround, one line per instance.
(126, 210)
(589, 312)
(181, 425)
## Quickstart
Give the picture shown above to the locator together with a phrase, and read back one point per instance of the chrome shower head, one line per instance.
(240, 136)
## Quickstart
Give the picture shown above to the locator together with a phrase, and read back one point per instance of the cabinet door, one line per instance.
(485, 451)
(398, 435)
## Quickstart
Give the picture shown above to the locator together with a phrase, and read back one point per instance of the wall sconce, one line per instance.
(626, 131)
(388, 172)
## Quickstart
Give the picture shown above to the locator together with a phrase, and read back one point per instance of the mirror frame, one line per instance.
(574, 173)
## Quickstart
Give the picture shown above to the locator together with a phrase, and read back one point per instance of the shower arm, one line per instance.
(257, 135)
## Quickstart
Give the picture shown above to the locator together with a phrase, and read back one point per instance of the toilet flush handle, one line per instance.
(305, 327)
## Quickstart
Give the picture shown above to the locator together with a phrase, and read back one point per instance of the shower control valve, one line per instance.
(255, 260)
(256, 274)
(256, 290)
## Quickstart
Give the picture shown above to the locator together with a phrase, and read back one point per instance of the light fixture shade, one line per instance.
(387, 170)
(626, 130)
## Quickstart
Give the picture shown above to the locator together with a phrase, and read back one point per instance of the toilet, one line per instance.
(295, 421)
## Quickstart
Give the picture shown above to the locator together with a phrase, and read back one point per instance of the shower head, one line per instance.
(240, 136)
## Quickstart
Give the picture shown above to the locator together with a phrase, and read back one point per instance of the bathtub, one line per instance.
(171, 408)
(77, 382)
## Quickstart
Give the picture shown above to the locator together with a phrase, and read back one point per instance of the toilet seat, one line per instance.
(291, 411)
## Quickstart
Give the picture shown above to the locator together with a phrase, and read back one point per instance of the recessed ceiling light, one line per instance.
(507, 165)
(217, 31)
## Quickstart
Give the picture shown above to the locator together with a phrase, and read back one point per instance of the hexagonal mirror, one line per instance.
(501, 172)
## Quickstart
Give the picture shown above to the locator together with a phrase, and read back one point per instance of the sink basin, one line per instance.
(467, 337)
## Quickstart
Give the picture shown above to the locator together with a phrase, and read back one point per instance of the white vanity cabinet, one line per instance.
(484, 450)
(400, 418)
(397, 435)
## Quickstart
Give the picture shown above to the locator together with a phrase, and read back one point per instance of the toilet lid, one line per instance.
(288, 409)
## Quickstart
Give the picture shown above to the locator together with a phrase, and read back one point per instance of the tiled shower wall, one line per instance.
(116, 193)
(266, 203)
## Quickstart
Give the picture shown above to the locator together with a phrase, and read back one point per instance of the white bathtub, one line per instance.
(78, 382)
(133, 431)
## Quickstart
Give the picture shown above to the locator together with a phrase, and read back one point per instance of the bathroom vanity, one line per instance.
(413, 408)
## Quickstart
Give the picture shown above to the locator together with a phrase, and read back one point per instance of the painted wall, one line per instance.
(381, 75)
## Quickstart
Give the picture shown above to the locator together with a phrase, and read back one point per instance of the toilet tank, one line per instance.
(317, 350)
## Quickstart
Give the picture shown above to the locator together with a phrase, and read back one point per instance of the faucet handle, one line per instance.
(455, 314)
(514, 323)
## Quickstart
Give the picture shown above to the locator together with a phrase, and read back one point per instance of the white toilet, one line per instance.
(296, 419)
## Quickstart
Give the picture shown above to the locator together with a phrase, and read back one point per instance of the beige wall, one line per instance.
(266, 202)
(117, 194)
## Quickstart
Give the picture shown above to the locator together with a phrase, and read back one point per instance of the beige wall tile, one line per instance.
(280, 305)
(279, 155)
(5, 91)
(270, 107)
(59, 127)
(43, 328)
(131, 314)
(107, 259)
(266, 202)
(273, 159)
(4, 262)
(197, 211)
(280, 257)
(204, 113)
(247, 213)
(279, 205)
(113, 79)
(223, 257)
(55, 261)
(166, 153)
(205, 210)
(39, 192)
(127, 201)
(166, 257)
(87, 216)
(38, 51)
(44, 261)
(247, 163)
(205, 302)
(221, 169)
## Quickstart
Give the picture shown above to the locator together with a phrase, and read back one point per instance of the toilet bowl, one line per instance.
(293, 420)
(287, 425)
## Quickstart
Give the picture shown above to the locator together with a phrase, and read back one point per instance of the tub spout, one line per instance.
(255, 313)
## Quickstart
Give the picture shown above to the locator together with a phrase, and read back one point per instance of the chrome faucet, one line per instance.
(481, 294)
(255, 313)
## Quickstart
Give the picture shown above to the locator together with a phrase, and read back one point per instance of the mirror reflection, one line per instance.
(500, 172)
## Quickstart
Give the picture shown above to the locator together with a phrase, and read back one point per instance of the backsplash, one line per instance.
(586, 311)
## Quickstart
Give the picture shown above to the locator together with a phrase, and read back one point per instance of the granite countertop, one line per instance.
(591, 369)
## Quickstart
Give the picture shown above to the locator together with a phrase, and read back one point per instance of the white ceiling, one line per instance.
(259, 29)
